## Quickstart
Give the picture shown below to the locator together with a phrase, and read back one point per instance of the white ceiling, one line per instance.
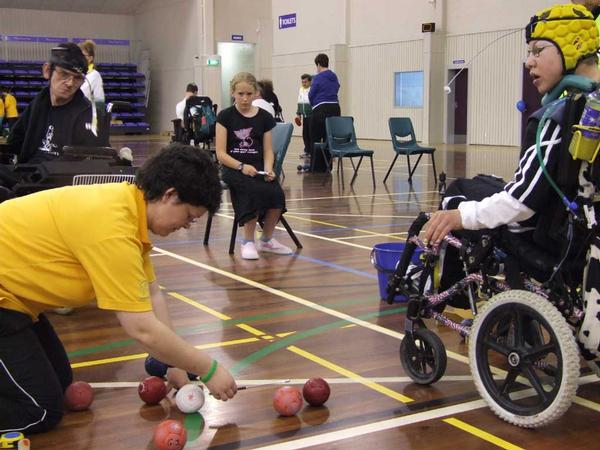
(91, 6)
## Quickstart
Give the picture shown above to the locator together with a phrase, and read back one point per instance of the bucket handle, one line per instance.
(377, 266)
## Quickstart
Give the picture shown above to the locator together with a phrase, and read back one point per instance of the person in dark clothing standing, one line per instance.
(268, 94)
(323, 97)
(60, 114)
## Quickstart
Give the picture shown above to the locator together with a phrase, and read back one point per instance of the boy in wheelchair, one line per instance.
(535, 239)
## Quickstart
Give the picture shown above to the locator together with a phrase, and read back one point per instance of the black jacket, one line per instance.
(29, 130)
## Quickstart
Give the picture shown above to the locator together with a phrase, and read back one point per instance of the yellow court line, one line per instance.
(200, 306)
(300, 300)
(587, 403)
(281, 335)
(98, 362)
(250, 329)
(215, 313)
(481, 434)
(347, 373)
(371, 233)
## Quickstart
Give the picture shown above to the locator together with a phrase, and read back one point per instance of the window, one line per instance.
(408, 89)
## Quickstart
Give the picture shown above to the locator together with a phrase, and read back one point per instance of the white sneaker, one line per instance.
(249, 251)
(274, 246)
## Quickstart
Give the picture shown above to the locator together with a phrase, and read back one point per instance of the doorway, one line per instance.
(235, 57)
(457, 107)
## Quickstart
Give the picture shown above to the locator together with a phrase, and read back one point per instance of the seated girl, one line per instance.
(244, 149)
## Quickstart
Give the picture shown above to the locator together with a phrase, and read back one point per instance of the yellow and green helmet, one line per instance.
(570, 27)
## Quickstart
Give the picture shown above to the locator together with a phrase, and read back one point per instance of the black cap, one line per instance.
(69, 56)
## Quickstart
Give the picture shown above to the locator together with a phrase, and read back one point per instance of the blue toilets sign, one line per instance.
(287, 21)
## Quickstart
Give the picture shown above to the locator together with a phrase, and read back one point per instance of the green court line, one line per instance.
(285, 342)
(208, 326)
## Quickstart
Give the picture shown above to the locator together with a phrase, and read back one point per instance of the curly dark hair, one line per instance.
(189, 170)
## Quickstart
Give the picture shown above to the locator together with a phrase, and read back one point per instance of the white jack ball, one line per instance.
(447, 89)
(189, 399)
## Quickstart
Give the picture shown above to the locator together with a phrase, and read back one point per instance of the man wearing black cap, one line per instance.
(60, 114)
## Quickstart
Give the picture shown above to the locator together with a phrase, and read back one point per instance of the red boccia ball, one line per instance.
(170, 435)
(79, 396)
(287, 400)
(316, 391)
(152, 390)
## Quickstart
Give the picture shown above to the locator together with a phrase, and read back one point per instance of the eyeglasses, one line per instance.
(64, 76)
(535, 50)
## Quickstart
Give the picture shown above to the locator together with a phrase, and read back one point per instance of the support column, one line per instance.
(434, 68)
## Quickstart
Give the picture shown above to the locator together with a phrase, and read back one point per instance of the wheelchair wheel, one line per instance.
(524, 341)
(423, 356)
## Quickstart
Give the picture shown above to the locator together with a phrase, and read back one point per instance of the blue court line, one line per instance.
(336, 266)
(309, 259)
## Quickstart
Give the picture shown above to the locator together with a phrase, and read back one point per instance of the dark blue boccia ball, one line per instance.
(521, 106)
(155, 368)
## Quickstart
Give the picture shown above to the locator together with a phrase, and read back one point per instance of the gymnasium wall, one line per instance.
(385, 37)
(172, 31)
(252, 20)
(31, 22)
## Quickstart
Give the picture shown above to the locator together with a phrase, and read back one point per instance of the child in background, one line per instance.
(244, 148)
(93, 88)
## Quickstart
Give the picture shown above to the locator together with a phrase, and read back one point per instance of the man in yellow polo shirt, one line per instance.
(67, 247)
(8, 108)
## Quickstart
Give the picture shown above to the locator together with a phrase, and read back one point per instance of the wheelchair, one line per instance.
(522, 349)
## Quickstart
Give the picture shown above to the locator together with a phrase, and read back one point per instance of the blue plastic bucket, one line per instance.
(384, 258)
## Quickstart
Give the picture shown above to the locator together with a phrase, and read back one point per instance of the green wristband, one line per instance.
(213, 368)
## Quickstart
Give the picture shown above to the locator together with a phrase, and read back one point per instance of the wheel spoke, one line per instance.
(518, 324)
(535, 381)
(498, 347)
(505, 389)
(538, 352)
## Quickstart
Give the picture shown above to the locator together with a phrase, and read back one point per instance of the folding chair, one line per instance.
(282, 134)
(341, 143)
(401, 128)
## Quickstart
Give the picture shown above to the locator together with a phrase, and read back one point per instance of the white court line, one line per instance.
(301, 199)
(298, 381)
(304, 302)
(350, 215)
(374, 427)
(347, 433)
(315, 236)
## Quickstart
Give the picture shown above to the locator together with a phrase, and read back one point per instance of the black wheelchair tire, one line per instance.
(423, 356)
(529, 339)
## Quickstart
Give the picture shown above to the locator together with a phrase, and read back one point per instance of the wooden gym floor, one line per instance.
(315, 313)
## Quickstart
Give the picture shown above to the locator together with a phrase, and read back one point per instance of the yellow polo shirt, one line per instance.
(73, 245)
(10, 107)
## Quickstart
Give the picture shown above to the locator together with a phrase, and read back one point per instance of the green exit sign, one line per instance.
(212, 62)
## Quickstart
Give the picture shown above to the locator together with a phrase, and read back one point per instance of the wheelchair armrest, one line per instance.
(84, 152)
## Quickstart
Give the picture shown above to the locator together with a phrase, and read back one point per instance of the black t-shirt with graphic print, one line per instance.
(245, 134)
(56, 132)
